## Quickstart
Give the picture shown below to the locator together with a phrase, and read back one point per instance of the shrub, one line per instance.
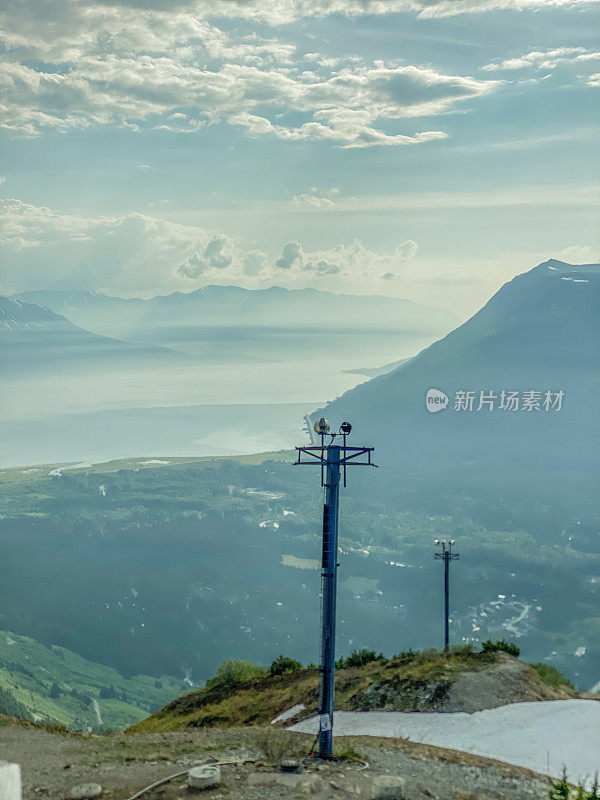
(405, 656)
(235, 670)
(551, 675)
(284, 664)
(561, 789)
(276, 745)
(462, 649)
(358, 658)
(501, 645)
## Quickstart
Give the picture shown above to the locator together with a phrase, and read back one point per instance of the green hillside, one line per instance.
(243, 694)
(46, 683)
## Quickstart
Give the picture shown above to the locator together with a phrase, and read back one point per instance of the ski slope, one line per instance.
(542, 736)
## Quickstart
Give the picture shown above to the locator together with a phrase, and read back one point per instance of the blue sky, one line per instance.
(428, 149)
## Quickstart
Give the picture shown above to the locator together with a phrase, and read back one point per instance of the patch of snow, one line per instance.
(155, 461)
(102, 490)
(56, 472)
(10, 641)
(97, 710)
(580, 652)
(542, 736)
(253, 492)
(513, 623)
(287, 513)
(576, 280)
(28, 471)
(291, 712)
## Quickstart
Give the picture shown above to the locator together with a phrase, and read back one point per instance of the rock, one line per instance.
(290, 765)
(388, 787)
(205, 777)
(10, 781)
(85, 791)
(274, 779)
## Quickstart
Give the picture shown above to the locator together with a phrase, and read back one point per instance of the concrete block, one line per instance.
(207, 776)
(10, 781)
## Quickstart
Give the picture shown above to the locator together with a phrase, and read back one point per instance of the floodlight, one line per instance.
(345, 428)
(321, 426)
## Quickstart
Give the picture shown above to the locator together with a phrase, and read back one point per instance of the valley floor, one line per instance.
(52, 764)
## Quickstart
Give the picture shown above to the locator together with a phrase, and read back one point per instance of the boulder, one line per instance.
(388, 787)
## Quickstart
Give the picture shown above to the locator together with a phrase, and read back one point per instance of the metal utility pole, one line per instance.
(446, 555)
(331, 456)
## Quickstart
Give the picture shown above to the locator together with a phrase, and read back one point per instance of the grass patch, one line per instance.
(552, 676)
(348, 753)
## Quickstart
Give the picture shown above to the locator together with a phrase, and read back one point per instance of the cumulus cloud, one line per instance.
(291, 256)
(545, 59)
(95, 64)
(578, 254)
(351, 261)
(139, 254)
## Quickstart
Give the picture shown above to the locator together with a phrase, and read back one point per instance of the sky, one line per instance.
(427, 149)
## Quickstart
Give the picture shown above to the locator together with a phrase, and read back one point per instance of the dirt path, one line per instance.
(122, 764)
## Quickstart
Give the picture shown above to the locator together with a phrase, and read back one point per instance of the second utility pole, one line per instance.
(446, 556)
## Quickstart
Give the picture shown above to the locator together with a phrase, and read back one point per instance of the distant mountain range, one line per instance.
(181, 319)
(539, 333)
(34, 339)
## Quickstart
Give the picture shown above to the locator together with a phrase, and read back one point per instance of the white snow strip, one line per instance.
(97, 710)
(291, 712)
(542, 736)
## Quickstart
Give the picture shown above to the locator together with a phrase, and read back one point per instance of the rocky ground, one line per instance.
(54, 763)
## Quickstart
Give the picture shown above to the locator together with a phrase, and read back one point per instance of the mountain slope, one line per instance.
(46, 683)
(539, 332)
(34, 338)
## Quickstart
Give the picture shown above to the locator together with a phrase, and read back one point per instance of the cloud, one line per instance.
(316, 199)
(219, 254)
(173, 70)
(578, 254)
(545, 59)
(351, 261)
(291, 256)
(139, 254)
(594, 80)
(2, 179)
(277, 12)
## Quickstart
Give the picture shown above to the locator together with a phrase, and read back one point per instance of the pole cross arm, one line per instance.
(347, 454)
